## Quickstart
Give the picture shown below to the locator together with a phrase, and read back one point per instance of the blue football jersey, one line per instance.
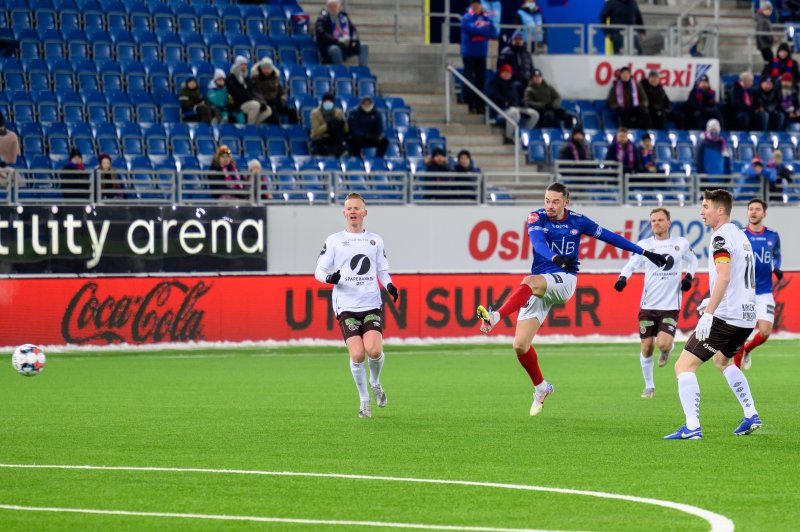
(767, 250)
(563, 237)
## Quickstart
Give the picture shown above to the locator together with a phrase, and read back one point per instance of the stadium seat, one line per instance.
(232, 21)
(158, 78)
(219, 51)
(163, 18)
(101, 44)
(81, 136)
(147, 45)
(139, 18)
(47, 107)
(169, 108)
(13, 74)
(23, 107)
(195, 48)
(208, 16)
(96, 107)
(86, 74)
(145, 107)
(135, 76)
(21, 15)
(131, 139)
(125, 49)
(78, 46)
(254, 21)
(93, 16)
(262, 47)
(116, 17)
(180, 141)
(240, 45)
(106, 139)
(72, 107)
(38, 73)
(57, 137)
(110, 75)
(156, 140)
(32, 139)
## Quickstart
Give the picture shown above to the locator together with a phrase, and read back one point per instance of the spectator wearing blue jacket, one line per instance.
(366, 129)
(477, 29)
(712, 155)
(752, 176)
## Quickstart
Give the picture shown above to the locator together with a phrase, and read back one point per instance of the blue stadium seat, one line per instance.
(554, 148)
(168, 106)
(57, 137)
(186, 19)
(263, 47)
(745, 152)
(684, 152)
(72, 107)
(163, 18)
(195, 48)
(135, 76)
(93, 16)
(145, 107)
(131, 139)
(787, 150)
(219, 51)
(158, 77)
(240, 45)
(119, 103)
(663, 152)
(297, 80)
(23, 106)
(110, 75)
(13, 74)
(180, 141)
(124, 46)
(287, 51)
(81, 136)
(203, 139)
(106, 139)
(537, 152)
(77, 44)
(21, 15)
(232, 21)
(171, 47)
(230, 137)
(116, 17)
(47, 107)
(254, 21)
(29, 43)
(156, 140)
(147, 45)
(32, 139)
(208, 16)
(599, 149)
(139, 17)
(321, 81)
(86, 74)
(102, 47)
(96, 107)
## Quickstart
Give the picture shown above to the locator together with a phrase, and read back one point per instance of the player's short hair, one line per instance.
(661, 209)
(721, 198)
(760, 201)
(561, 188)
(355, 195)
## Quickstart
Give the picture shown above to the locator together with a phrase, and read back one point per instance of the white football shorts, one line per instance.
(765, 307)
(560, 288)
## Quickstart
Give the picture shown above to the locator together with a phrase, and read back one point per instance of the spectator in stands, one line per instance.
(503, 93)
(109, 183)
(767, 103)
(194, 108)
(256, 174)
(519, 59)
(437, 163)
(624, 152)
(337, 37)
(218, 98)
(764, 40)
(753, 175)
(78, 181)
(789, 103)
(477, 30)
(238, 87)
(702, 104)
(576, 149)
(647, 154)
(659, 106)
(228, 173)
(530, 17)
(328, 128)
(627, 97)
(712, 155)
(266, 88)
(544, 98)
(464, 163)
(782, 62)
(9, 144)
(365, 125)
(622, 13)
(783, 174)
(742, 103)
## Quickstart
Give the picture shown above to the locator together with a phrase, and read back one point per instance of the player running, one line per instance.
(661, 297)
(354, 260)
(729, 314)
(555, 233)
(767, 250)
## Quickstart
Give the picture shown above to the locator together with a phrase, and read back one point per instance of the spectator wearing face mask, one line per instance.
(529, 16)
(712, 155)
(365, 125)
(328, 128)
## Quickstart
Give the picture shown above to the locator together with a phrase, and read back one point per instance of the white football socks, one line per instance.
(689, 392)
(647, 370)
(375, 366)
(359, 372)
(741, 389)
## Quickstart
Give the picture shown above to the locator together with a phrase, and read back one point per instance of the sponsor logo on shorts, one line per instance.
(373, 317)
(352, 324)
(770, 309)
(709, 348)
(671, 321)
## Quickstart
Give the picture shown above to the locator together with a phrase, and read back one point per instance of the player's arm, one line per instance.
(776, 258)
(325, 263)
(691, 267)
(722, 263)
(383, 271)
(601, 233)
(633, 264)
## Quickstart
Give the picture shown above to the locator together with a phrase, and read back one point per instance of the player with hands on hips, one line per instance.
(353, 261)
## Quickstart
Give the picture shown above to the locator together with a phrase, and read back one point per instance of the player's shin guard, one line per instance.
(647, 370)
(689, 392)
(375, 367)
(741, 389)
(516, 300)
(755, 342)
(530, 361)
(359, 372)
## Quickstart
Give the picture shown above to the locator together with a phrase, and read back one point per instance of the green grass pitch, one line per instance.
(455, 412)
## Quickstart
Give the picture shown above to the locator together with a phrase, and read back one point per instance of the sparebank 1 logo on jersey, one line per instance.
(360, 264)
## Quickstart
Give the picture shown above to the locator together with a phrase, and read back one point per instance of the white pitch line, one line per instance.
(377, 524)
(719, 523)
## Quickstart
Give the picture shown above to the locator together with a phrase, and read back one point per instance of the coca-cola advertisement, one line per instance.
(149, 310)
(59, 240)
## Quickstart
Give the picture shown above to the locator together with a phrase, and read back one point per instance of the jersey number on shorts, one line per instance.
(749, 273)
(557, 278)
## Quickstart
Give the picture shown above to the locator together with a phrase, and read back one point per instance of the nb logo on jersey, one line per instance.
(360, 264)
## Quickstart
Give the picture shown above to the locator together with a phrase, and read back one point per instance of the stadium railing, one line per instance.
(440, 188)
(210, 187)
(65, 187)
(659, 189)
(508, 188)
(596, 182)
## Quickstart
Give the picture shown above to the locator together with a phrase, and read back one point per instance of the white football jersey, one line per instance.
(662, 286)
(738, 305)
(358, 257)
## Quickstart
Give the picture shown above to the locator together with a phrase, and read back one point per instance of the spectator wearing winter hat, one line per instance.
(267, 90)
(529, 16)
(789, 103)
(627, 98)
(337, 37)
(477, 29)
(227, 175)
(365, 125)
(194, 107)
(503, 93)
(9, 144)
(515, 55)
(109, 183)
(437, 165)
(576, 149)
(623, 151)
(753, 175)
(328, 128)
(742, 102)
(659, 106)
(75, 180)
(712, 155)
(238, 87)
(767, 103)
(701, 106)
(781, 63)
(218, 98)
(647, 154)
(764, 39)
(546, 100)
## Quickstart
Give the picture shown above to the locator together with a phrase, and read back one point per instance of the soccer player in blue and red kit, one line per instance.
(767, 250)
(555, 233)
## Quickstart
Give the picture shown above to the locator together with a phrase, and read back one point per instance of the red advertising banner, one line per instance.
(152, 310)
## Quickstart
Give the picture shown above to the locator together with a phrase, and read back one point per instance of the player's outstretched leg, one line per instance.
(489, 318)
(513, 303)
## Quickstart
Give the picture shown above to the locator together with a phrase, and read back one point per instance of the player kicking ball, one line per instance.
(729, 315)
(661, 296)
(353, 261)
(767, 250)
(555, 233)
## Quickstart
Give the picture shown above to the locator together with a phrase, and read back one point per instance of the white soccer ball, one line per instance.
(28, 360)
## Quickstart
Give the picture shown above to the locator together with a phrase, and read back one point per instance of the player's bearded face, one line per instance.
(554, 204)
(755, 214)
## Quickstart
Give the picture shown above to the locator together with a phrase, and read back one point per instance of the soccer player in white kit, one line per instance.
(353, 261)
(661, 297)
(729, 315)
